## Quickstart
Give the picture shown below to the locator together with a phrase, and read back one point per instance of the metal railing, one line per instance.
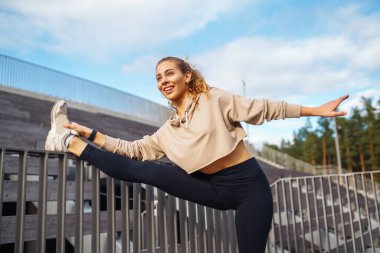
(332, 213)
(285, 161)
(27, 76)
(59, 197)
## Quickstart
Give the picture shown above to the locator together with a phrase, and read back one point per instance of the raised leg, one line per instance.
(76, 146)
(169, 178)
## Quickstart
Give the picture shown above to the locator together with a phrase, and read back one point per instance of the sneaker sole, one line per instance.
(55, 106)
(49, 144)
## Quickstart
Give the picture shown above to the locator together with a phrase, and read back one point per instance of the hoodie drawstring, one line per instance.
(187, 120)
(177, 121)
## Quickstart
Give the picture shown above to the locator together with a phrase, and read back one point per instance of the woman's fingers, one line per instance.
(343, 98)
(77, 129)
(69, 125)
(340, 100)
(328, 109)
(73, 126)
(340, 114)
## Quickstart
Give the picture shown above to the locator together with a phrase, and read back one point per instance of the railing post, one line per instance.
(293, 214)
(233, 230)
(218, 232)
(324, 212)
(339, 178)
(285, 199)
(42, 203)
(202, 229)
(350, 210)
(172, 224)
(359, 214)
(333, 213)
(184, 226)
(193, 227)
(376, 202)
(2, 155)
(162, 224)
(309, 214)
(210, 230)
(111, 214)
(125, 216)
(79, 206)
(367, 211)
(95, 207)
(316, 213)
(20, 212)
(61, 205)
(301, 212)
(150, 218)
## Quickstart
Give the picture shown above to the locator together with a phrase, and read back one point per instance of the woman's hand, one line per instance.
(325, 110)
(81, 130)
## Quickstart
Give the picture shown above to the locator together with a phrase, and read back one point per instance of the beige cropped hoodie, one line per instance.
(209, 130)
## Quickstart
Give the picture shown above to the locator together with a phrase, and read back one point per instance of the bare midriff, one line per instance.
(238, 155)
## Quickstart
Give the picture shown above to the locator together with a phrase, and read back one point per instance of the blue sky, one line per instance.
(306, 52)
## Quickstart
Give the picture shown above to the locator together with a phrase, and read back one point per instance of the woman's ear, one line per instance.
(187, 77)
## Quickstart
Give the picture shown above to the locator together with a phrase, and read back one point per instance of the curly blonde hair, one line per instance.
(197, 82)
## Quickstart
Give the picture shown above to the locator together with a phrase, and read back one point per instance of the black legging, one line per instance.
(242, 187)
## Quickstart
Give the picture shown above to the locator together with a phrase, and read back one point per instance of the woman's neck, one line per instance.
(180, 104)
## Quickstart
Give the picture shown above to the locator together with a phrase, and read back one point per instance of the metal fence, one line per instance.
(286, 161)
(332, 213)
(27, 76)
(53, 196)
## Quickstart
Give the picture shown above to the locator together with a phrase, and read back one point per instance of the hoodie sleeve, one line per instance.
(256, 111)
(147, 148)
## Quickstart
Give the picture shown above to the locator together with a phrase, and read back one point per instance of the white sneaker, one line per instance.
(57, 135)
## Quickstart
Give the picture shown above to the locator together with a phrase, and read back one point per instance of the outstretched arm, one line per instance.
(325, 110)
(147, 148)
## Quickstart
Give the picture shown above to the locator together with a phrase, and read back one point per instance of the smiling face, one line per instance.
(171, 81)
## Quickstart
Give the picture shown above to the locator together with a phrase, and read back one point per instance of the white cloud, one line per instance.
(348, 20)
(141, 65)
(315, 65)
(341, 61)
(100, 28)
(356, 100)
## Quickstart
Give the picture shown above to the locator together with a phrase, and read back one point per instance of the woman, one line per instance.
(204, 138)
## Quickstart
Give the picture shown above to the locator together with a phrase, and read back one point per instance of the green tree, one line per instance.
(359, 139)
(371, 132)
